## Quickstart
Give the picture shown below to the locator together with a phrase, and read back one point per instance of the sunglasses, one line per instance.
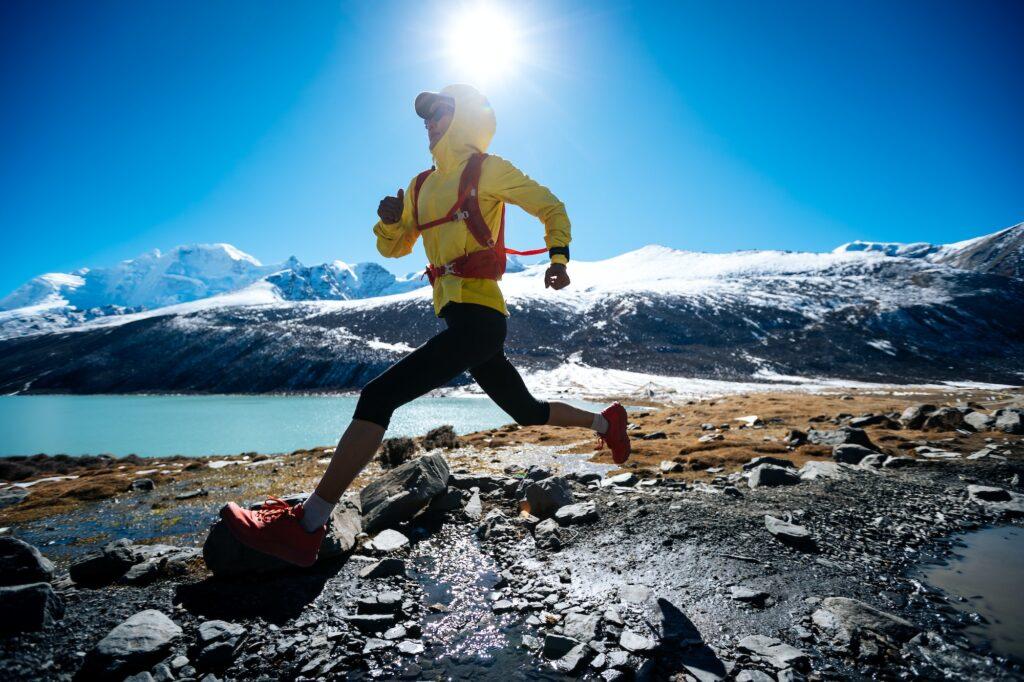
(438, 112)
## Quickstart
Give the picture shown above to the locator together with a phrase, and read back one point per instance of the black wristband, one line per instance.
(559, 251)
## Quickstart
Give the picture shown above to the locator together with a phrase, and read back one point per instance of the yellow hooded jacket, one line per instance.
(471, 130)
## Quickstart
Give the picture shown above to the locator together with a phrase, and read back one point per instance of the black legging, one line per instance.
(474, 341)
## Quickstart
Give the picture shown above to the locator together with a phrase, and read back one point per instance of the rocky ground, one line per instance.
(511, 555)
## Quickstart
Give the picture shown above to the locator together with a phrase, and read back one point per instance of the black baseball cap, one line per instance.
(425, 102)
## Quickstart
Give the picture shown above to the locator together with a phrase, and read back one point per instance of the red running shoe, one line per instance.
(616, 438)
(274, 529)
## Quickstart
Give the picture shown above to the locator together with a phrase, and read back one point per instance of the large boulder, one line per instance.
(543, 498)
(841, 436)
(21, 563)
(944, 419)
(27, 608)
(770, 475)
(914, 416)
(979, 421)
(133, 645)
(224, 555)
(403, 492)
(1010, 421)
(850, 453)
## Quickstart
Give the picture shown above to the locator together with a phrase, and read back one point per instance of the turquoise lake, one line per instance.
(159, 426)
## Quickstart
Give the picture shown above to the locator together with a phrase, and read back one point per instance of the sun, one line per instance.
(484, 43)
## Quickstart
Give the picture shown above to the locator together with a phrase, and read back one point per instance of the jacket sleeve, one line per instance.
(395, 240)
(509, 184)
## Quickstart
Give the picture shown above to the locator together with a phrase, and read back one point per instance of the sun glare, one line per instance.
(484, 43)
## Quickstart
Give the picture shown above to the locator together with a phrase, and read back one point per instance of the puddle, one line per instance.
(465, 639)
(986, 571)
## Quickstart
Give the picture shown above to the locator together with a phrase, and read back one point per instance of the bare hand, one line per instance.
(556, 277)
(390, 208)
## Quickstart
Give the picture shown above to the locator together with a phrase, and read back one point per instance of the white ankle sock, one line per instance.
(600, 423)
(315, 512)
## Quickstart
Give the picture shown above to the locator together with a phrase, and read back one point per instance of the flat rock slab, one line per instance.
(388, 541)
(635, 594)
(841, 436)
(581, 512)
(775, 651)
(813, 470)
(789, 533)
(403, 492)
(626, 480)
(635, 642)
(225, 556)
(384, 568)
(768, 459)
(134, 644)
(747, 594)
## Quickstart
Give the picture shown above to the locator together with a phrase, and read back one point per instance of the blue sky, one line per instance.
(708, 126)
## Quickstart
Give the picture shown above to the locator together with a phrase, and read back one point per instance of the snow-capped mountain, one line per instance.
(850, 314)
(183, 274)
(1000, 253)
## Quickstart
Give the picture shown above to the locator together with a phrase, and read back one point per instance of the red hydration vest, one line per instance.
(487, 263)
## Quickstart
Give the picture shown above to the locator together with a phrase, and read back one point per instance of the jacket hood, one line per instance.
(471, 129)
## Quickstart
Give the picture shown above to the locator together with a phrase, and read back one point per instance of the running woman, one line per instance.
(458, 207)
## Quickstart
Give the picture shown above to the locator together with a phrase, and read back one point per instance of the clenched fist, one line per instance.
(556, 277)
(390, 208)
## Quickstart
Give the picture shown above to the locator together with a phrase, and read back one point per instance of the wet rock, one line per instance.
(29, 607)
(848, 621)
(441, 437)
(775, 652)
(813, 470)
(914, 416)
(547, 536)
(769, 475)
(384, 568)
(944, 419)
(410, 648)
(581, 512)
(494, 526)
(573, 660)
(753, 676)
(142, 485)
(850, 453)
(635, 642)
(767, 459)
(626, 480)
(21, 563)
(224, 555)
(789, 533)
(979, 421)
(544, 498)
(987, 493)
(1009, 421)
(581, 626)
(502, 606)
(841, 436)
(373, 645)
(371, 622)
(556, 646)
(134, 644)
(474, 508)
(395, 452)
(747, 595)
(670, 467)
(403, 492)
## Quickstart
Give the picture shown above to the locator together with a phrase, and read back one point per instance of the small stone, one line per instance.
(474, 508)
(581, 512)
(625, 480)
(670, 467)
(776, 652)
(410, 647)
(142, 485)
(636, 643)
(134, 643)
(388, 541)
(753, 676)
(747, 594)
